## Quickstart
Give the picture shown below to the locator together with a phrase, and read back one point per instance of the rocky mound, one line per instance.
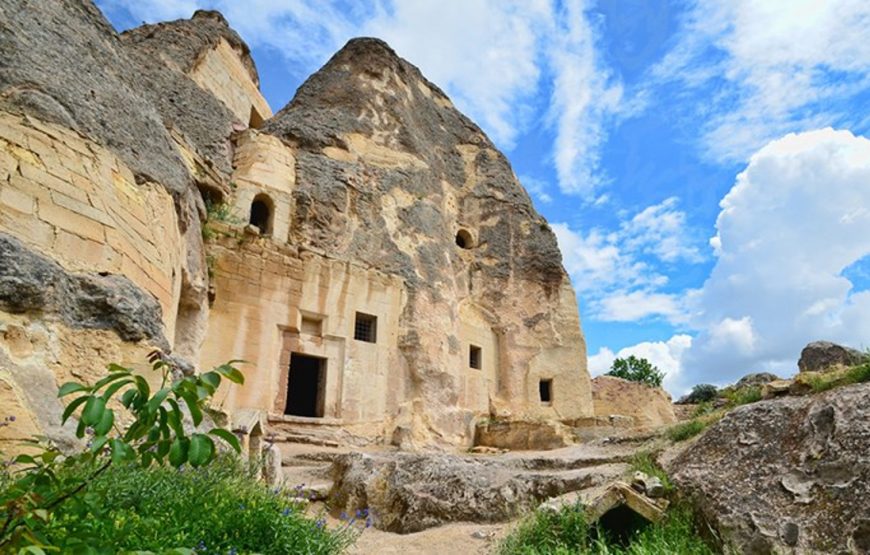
(647, 406)
(820, 356)
(786, 474)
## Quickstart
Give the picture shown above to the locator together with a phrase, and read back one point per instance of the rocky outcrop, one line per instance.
(820, 356)
(648, 406)
(786, 475)
(407, 493)
(755, 380)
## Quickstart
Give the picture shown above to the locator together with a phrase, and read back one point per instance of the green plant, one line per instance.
(565, 532)
(685, 430)
(853, 375)
(219, 508)
(45, 478)
(701, 393)
(637, 370)
(217, 212)
(703, 409)
(743, 395)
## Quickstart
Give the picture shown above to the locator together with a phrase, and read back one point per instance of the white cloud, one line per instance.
(786, 231)
(538, 188)
(665, 355)
(585, 95)
(775, 67)
(617, 274)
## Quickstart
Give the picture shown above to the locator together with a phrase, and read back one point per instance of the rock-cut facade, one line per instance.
(366, 249)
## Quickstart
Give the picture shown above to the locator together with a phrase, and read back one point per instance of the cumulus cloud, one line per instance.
(786, 231)
(774, 67)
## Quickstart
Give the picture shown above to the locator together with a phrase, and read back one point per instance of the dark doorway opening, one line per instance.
(306, 382)
(545, 388)
(261, 214)
(620, 524)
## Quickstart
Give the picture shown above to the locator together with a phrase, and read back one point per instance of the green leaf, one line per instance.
(163, 448)
(231, 373)
(98, 443)
(203, 392)
(111, 378)
(175, 419)
(71, 387)
(212, 379)
(193, 406)
(229, 437)
(120, 451)
(143, 387)
(70, 408)
(93, 410)
(118, 368)
(158, 399)
(128, 397)
(201, 449)
(105, 423)
(178, 452)
(112, 389)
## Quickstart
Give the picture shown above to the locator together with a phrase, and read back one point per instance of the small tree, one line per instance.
(637, 370)
(701, 393)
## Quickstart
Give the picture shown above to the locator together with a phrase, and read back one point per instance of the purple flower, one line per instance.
(369, 522)
(343, 515)
(286, 512)
(321, 522)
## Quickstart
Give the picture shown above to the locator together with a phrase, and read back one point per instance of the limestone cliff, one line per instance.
(377, 206)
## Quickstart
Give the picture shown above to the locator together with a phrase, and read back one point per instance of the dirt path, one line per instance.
(451, 539)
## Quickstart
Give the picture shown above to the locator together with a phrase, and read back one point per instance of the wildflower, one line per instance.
(89, 431)
(287, 511)
(369, 522)
(343, 516)
(321, 522)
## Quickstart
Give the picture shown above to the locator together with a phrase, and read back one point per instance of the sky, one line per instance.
(704, 164)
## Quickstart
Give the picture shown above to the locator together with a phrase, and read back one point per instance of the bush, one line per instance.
(701, 393)
(853, 375)
(637, 370)
(685, 430)
(565, 532)
(220, 508)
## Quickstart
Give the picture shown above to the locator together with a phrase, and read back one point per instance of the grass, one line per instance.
(566, 532)
(644, 462)
(853, 375)
(217, 509)
(743, 396)
(685, 430)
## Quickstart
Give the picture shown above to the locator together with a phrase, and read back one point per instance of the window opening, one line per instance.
(545, 387)
(261, 214)
(475, 357)
(365, 328)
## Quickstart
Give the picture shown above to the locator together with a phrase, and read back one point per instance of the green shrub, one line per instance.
(853, 375)
(701, 393)
(637, 370)
(703, 409)
(688, 429)
(220, 508)
(565, 532)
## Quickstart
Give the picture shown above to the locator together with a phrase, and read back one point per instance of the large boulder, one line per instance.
(786, 475)
(820, 356)
(648, 406)
(755, 380)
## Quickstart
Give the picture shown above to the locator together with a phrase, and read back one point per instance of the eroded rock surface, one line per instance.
(647, 406)
(819, 356)
(783, 474)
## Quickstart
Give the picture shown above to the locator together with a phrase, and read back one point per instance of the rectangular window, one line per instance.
(475, 357)
(365, 328)
(545, 388)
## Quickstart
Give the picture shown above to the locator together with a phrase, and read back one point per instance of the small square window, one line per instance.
(365, 328)
(475, 357)
(545, 387)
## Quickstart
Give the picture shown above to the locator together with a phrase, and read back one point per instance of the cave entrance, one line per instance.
(620, 524)
(306, 383)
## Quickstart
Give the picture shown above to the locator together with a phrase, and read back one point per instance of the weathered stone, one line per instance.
(821, 356)
(272, 472)
(408, 493)
(648, 406)
(756, 380)
(522, 434)
(32, 283)
(808, 465)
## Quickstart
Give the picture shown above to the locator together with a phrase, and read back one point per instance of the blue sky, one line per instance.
(704, 164)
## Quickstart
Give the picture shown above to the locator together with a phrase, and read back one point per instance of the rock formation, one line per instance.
(647, 406)
(820, 356)
(394, 282)
(786, 475)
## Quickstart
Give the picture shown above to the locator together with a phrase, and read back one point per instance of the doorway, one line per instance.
(306, 382)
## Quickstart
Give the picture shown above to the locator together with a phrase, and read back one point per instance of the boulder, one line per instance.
(522, 434)
(411, 492)
(649, 406)
(755, 380)
(821, 356)
(785, 475)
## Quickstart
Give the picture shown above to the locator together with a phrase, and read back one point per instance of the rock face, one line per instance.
(755, 380)
(786, 474)
(819, 356)
(408, 493)
(648, 406)
(369, 249)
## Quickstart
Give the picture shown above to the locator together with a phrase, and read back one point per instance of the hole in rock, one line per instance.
(620, 524)
(475, 357)
(545, 388)
(261, 213)
(306, 382)
(464, 239)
